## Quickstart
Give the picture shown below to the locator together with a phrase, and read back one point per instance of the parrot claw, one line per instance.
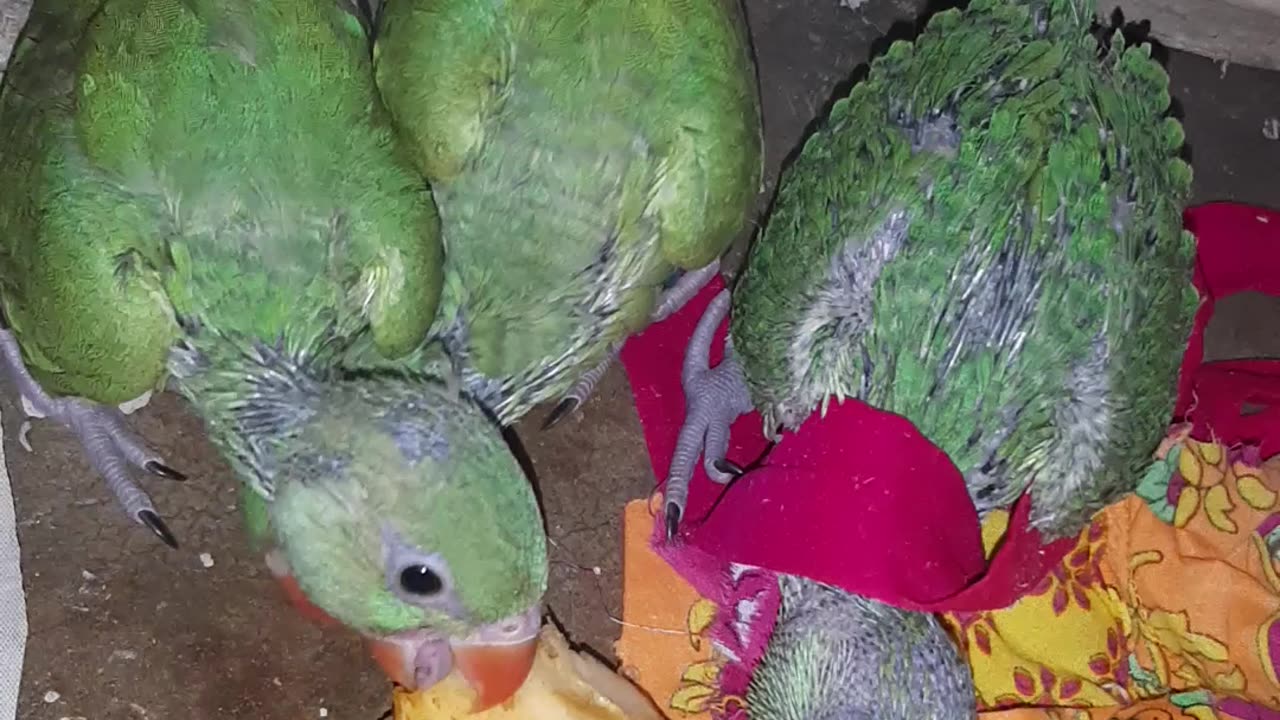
(153, 521)
(729, 467)
(560, 412)
(110, 445)
(672, 517)
(714, 398)
(581, 390)
(159, 469)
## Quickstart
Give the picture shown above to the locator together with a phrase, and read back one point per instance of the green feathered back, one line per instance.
(985, 237)
(580, 151)
(202, 168)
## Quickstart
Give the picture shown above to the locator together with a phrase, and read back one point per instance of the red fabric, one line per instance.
(861, 501)
(1238, 250)
(858, 499)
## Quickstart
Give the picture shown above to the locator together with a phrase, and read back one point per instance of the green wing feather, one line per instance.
(92, 320)
(213, 164)
(580, 152)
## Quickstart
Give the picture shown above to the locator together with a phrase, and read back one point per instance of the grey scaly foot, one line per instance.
(714, 398)
(676, 297)
(111, 446)
(581, 389)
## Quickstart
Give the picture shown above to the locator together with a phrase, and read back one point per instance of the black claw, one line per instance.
(673, 521)
(729, 467)
(153, 521)
(560, 412)
(161, 470)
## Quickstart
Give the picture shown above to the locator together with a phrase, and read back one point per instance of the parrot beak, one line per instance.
(497, 671)
(495, 660)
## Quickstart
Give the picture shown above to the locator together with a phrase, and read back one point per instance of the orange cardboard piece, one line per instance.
(656, 601)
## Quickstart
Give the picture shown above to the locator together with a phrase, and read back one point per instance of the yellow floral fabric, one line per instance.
(1168, 607)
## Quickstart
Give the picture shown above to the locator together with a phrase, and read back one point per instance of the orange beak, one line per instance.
(495, 672)
(495, 660)
(390, 656)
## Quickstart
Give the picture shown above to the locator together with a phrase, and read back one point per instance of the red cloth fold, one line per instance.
(858, 499)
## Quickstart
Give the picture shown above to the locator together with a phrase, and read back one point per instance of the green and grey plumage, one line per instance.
(984, 237)
(209, 191)
(580, 151)
(836, 656)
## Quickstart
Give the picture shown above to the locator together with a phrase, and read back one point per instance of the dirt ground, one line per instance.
(123, 628)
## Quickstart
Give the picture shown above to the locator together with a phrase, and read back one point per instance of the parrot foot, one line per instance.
(581, 390)
(679, 295)
(109, 443)
(714, 398)
(674, 298)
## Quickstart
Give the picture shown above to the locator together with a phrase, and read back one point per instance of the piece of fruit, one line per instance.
(564, 685)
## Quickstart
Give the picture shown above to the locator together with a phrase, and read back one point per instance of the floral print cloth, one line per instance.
(1167, 608)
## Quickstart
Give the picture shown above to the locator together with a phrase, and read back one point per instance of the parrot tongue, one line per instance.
(495, 660)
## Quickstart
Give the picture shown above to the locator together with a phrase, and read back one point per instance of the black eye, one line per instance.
(420, 580)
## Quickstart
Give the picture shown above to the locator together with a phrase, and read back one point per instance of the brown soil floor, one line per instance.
(123, 628)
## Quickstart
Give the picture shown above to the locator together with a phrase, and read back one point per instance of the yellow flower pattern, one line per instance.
(1134, 624)
(699, 690)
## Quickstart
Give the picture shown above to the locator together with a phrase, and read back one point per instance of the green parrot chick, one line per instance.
(208, 193)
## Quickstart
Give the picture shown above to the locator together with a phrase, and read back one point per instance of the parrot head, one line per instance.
(400, 511)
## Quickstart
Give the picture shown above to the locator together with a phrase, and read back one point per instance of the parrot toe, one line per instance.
(673, 513)
(561, 411)
(582, 389)
(729, 467)
(110, 445)
(714, 398)
(686, 288)
(158, 526)
(159, 469)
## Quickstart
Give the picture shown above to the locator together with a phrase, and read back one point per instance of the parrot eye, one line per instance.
(421, 580)
(418, 577)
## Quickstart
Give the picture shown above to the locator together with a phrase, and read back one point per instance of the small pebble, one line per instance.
(88, 575)
(206, 560)
(324, 712)
(52, 696)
